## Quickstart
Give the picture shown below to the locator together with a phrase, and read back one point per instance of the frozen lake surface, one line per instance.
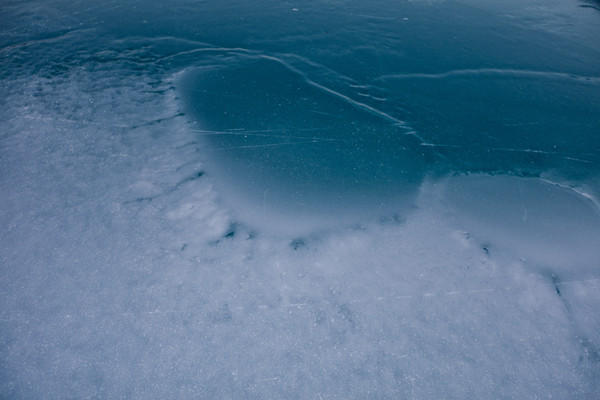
(323, 199)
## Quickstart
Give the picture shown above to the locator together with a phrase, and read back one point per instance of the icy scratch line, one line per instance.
(341, 96)
(578, 191)
(492, 72)
(282, 135)
(534, 151)
(263, 145)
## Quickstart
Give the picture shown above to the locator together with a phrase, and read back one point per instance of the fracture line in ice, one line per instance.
(365, 107)
(339, 95)
(492, 72)
(578, 191)
(554, 153)
(258, 133)
(210, 50)
(385, 116)
(362, 106)
(253, 146)
(373, 17)
(357, 104)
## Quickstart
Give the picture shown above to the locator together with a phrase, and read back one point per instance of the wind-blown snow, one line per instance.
(150, 250)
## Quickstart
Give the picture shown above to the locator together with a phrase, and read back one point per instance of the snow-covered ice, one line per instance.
(325, 199)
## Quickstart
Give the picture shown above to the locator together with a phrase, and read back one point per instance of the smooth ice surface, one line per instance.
(352, 106)
(551, 226)
(286, 147)
(326, 199)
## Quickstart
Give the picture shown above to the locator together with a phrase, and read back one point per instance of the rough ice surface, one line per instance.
(321, 199)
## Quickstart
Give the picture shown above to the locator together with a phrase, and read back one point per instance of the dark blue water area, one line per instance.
(324, 105)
